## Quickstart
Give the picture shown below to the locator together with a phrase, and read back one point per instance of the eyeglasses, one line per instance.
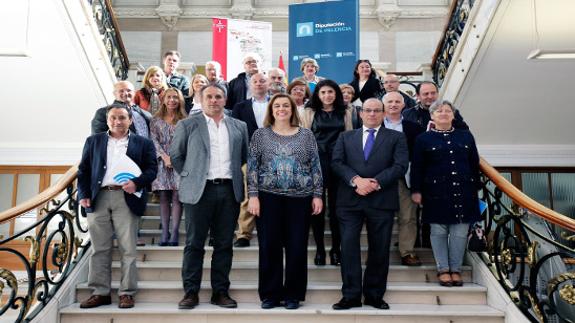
(371, 110)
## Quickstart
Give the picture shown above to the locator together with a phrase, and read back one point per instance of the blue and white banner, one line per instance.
(329, 33)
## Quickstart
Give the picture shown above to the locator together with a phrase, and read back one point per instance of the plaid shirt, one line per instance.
(180, 82)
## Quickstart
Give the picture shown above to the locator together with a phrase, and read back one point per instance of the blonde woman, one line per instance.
(166, 184)
(149, 97)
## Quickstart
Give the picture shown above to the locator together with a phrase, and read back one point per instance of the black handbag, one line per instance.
(476, 240)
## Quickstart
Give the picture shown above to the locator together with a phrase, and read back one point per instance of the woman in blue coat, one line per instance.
(445, 180)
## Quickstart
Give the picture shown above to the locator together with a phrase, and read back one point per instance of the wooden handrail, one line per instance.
(41, 199)
(523, 200)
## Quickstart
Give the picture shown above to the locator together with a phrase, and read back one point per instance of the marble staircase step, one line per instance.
(167, 312)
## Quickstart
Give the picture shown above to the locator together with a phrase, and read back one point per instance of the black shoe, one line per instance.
(291, 304)
(268, 303)
(189, 301)
(319, 259)
(346, 304)
(164, 244)
(173, 244)
(376, 302)
(242, 243)
(222, 299)
(334, 258)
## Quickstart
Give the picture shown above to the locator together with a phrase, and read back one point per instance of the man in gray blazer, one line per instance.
(208, 151)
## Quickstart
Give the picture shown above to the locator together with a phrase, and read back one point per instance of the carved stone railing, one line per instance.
(445, 50)
(55, 244)
(532, 263)
(108, 28)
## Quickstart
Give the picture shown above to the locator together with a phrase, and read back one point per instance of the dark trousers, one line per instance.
(330, 184)
(283, 224)
(217, 212)
(379, 224)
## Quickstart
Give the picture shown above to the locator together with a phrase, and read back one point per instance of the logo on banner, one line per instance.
(219, 26)
(304, 29)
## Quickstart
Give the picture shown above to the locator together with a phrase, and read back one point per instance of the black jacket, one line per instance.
(92, 169)
(245, 112)
(237, 90)
(445, 170)
(421, 116)
(387, 163)
(371, 89)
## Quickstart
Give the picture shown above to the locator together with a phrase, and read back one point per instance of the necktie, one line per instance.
(369, 143)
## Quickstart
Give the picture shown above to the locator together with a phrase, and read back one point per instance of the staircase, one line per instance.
(413, 292)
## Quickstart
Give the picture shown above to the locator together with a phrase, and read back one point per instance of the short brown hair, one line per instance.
(172, 52)
(295, 83)
(269, 120)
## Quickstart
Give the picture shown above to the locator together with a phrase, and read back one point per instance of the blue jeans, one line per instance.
(448, 242)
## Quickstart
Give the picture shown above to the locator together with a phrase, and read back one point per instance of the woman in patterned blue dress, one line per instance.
(162, 129)
(284, 188)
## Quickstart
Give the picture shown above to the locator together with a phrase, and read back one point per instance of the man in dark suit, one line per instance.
(407, 214)
(124, 94)
(251, 111)
(369, 162)
(114, 204)
(208, 151)
(238, 88)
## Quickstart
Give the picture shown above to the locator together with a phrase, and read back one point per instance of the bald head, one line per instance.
(391, 83)
(124, 92)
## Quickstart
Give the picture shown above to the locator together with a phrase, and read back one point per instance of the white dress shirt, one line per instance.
(115, 150)
(220, 161)
(259, 108)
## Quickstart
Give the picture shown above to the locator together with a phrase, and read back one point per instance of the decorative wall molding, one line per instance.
(169, 12)
(529, 155)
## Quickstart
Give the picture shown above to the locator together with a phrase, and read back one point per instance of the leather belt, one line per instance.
(218, 181)
(112, 188)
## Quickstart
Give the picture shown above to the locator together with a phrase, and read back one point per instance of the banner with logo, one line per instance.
(234, 38)
(329, 33)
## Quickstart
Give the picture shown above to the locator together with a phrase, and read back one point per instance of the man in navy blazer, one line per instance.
(114, 204)
(369, 162)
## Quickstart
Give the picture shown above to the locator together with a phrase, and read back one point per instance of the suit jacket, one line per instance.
(190, 155)
(387, 163)
(244, 111)
(100, 124)
(237, 89)
(411, 131)
(371, 89)
(92, 169)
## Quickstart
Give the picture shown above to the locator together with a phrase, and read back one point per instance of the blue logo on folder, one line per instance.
(122, 178)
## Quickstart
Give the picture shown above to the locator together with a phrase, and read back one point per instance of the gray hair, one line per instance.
(386, 95)
(309, 60)
(439, 103)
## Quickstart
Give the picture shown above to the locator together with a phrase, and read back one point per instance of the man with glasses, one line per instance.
(367, 192)
(238, 88)
(391, 84)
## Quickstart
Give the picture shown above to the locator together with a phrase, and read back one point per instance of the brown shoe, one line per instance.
(189, 301)
(222, 299)
(96, 300)
(126, 301)
(410, 260)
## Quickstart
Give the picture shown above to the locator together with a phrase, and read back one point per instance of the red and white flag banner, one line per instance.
(234, 38)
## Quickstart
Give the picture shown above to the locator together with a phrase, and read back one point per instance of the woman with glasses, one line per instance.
(327, 116)
(309, 68)
(300, 93)
(284, 189)
(365, 82)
